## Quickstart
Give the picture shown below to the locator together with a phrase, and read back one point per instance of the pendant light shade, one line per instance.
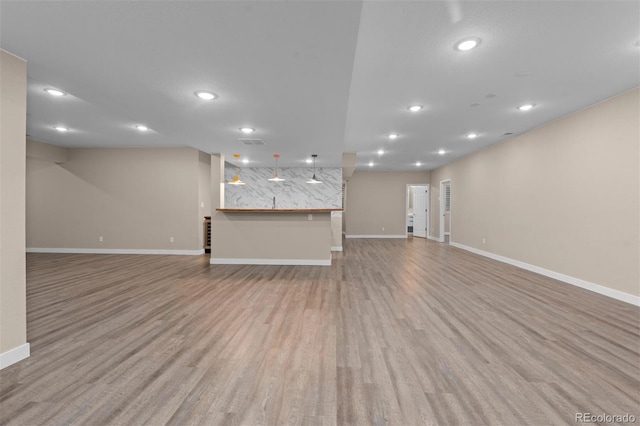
(236, 180)
(275, 177)
(314, 179)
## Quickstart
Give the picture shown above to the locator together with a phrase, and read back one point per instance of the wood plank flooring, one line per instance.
(398, 332)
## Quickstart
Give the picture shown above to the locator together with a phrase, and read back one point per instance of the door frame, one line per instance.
(406, 206)
(443, 209)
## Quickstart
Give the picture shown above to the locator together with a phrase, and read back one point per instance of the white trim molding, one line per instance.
(297, 262)
(14, 355)
(404, 237)
(336, 248)
(113, 251)
(605, 291)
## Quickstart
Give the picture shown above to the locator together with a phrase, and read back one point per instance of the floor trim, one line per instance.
(377, 236)
(605, 291)
(336, 248)
(14, 355)
(112, 251)
(232, 261)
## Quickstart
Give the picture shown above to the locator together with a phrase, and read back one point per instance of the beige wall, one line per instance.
(13, 115)
(564, 196)
(44, 151)
(270, 238)
(136, 199)
(377, 200)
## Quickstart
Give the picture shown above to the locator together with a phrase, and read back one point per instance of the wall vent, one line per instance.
(252, 142)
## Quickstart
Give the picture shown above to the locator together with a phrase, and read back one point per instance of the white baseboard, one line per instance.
(231, 261)
(377, 236)
(14, 355)
(112, 251)
(606, 291)
(336, 248)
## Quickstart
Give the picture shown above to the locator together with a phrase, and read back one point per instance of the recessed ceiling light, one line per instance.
(415, 108)
(370, 163)
(142, 127)
(442, 152)
(55, 92)
(308, 161)
(472, 135)
(525, 107)
(467, 43)
(380, 151)
(418, 164)
(245, 161)
(247, 130)
(393, 136)
(207, 96)
(61, 128)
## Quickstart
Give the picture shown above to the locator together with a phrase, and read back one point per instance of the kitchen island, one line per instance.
(255, 236)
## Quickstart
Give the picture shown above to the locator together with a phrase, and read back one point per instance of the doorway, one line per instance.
(445, 211)
(417, 196)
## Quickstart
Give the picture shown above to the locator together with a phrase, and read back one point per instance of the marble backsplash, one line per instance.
(294, 192)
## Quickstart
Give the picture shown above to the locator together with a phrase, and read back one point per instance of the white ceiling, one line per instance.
(316, 77)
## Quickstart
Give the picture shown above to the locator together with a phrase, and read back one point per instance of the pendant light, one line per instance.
(313, 179)
(275, 177)
(236, 180)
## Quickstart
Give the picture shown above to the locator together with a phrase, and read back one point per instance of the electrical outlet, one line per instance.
(310, 217)
(202, 204)
(484, 241)
(100, 238)
(170, 239)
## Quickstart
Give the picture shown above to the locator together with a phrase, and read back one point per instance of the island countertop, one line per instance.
(256, 210)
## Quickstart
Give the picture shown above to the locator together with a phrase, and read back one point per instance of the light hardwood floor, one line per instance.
(400, 332)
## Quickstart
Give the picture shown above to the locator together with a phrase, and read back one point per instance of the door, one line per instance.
(420, 210)
(445, 210)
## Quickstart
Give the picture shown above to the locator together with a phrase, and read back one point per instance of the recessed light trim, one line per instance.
(393, 136)
(380, 151)
(207, 96)
(141, 127)
(468, 44)
(308, 161)
(418, 164)
(415, 108)
(61, 128)
(442, 152)
(371, 164)
(245, 161)
(247, 130)
(526, 107)
(472, 135)
(54, 92)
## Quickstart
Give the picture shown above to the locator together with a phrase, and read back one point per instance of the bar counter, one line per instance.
(263, 236)
(255, 210)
